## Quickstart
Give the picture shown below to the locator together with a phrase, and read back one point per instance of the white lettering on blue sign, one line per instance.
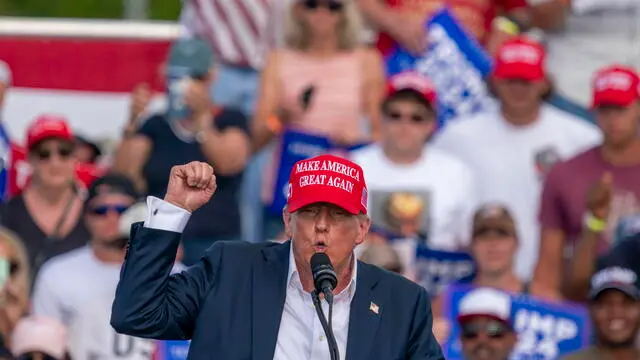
(305, 150)
(435, 273)
(540, 334)
(460, 84)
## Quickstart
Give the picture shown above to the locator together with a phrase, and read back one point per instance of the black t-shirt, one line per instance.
(15, 216)
(220, 217)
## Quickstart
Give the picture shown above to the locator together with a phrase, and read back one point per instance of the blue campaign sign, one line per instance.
(436, 269)
(454, 61)
(5, 154)
(173, 350)
(545, 330)
(295, 146)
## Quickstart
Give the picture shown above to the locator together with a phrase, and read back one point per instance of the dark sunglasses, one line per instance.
(104, 209)
(64, 151)
(31, 356)
(397, 116)
(492, 329)
(332, 6)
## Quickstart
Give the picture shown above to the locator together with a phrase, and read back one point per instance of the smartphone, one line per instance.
(306, 97)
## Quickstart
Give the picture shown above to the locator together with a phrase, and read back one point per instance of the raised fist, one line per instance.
(191, 185)
(140, 99)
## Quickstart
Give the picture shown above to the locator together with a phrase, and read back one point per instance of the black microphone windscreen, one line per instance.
(319, 259)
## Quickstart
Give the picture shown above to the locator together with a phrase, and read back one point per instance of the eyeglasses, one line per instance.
(104, 209)
(397, 116)
(332, 6)
(64, 151)
(491, 329)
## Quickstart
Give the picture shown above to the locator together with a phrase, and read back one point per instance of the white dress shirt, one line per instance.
(300, 336)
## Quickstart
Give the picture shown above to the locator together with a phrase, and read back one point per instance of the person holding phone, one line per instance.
(193, 128)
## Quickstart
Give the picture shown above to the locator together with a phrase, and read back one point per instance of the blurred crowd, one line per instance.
(542, 190)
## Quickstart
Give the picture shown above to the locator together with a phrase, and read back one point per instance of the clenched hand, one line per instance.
(191, 185)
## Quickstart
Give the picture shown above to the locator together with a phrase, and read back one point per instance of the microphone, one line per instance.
(324, 277)
(325, 280)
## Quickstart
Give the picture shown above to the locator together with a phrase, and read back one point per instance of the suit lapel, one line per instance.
(269, 293)
(363, 319)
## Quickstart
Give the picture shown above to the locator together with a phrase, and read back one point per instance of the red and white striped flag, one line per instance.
(239, 31)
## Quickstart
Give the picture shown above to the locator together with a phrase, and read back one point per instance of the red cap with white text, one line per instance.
(327, 179)
(520, 58)
(615, 85)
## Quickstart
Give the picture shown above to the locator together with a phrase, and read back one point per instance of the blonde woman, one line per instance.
(16, 282)
(323, 81)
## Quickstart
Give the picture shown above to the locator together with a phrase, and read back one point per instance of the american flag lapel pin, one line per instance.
(374, 308)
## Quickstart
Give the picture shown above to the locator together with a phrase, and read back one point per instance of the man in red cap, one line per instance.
(512, 148)
(400, 163)
(586, 196)
(259, 294)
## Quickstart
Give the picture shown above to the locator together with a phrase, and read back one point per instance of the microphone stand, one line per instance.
(328, 329)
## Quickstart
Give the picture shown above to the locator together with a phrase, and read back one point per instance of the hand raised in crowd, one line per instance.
(140, 99)
(198, 100)
(191, 185)
(599, 197)
(410, 33)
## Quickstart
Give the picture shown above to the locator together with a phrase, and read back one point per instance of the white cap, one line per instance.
(40, 334)
(5, 73)
(485, 302)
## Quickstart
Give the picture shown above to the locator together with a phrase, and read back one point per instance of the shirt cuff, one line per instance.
(165, 216)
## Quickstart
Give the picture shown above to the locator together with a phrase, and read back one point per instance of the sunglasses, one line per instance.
(491, 329)
(64, 151)
(31, 356)
(332, 6)
(104, 209)
(398, 116)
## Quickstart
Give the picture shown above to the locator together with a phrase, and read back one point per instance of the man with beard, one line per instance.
(486, 332)
(614, 304)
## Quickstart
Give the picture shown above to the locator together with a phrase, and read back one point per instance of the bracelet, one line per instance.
(507, 25)
(594, 224)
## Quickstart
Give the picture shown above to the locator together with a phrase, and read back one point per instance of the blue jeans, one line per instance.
(194, 248)
(237, 87)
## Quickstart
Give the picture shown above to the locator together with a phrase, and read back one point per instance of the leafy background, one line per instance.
(92, 9)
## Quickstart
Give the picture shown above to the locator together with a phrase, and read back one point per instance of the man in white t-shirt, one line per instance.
(512, 147)
(415, 190)
(69, 287)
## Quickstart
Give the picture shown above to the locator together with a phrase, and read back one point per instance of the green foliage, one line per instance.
(92, 9)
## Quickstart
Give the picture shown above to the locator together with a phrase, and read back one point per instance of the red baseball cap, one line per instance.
(329, 179)
(615, 85)
(520, 58)
(48, 126)
(411, 80)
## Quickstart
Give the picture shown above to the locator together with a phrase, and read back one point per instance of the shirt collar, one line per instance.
(294, 277)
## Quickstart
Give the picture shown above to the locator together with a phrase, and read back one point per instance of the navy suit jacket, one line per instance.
(230, 303)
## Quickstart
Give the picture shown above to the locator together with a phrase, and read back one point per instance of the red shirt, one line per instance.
(476, 16)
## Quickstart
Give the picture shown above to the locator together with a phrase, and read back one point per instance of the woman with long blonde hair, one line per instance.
(15, 283)
(322, 82)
